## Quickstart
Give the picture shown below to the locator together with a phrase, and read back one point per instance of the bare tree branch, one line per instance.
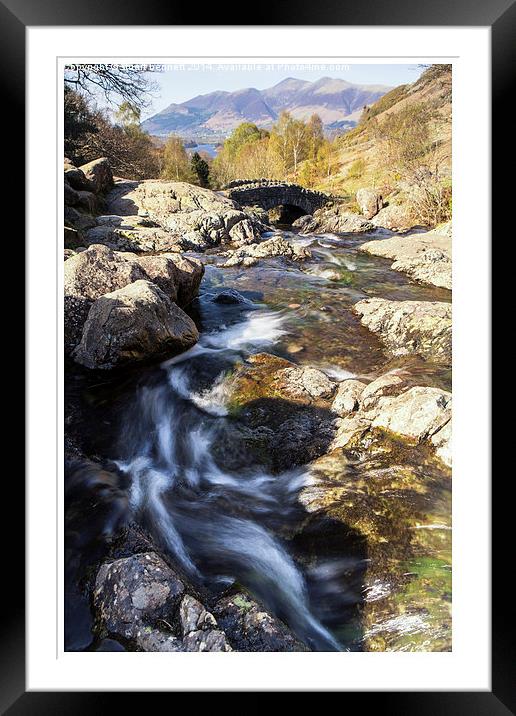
(117, 83)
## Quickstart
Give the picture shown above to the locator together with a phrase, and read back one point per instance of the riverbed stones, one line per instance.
(369, 201)
(270, 248)
(406, 327)
(133, 324)
(248, 627)
(136, 592)
(306, 383)
(426, 257)
(391, 383)
(334, 218)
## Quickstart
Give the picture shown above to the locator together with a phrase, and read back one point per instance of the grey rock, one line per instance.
(347, 397)
(425, 257)
(369, 201)
(99, 174)
(194, 617)
(248, 627)
(422, 327)
(212, 640)
(132, 324)
(417, 413)
(133, 592)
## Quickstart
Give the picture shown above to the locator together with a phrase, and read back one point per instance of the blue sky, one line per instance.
(180, 83)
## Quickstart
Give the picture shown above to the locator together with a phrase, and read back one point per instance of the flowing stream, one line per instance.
(173, 437)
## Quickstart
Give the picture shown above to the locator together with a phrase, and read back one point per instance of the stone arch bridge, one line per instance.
(271, 194)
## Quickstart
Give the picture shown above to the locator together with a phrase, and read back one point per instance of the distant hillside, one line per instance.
(362, 157)
(337, 102)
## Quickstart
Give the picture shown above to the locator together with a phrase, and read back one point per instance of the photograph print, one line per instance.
(257, 340)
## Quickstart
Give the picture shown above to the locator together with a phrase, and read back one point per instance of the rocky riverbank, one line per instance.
(425, 257)
(302, 415)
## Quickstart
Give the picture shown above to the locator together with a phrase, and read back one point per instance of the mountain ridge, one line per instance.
(335, 100)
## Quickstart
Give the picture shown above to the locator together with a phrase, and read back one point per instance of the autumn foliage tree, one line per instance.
(176, 164)
(89, 133)
(293, 149)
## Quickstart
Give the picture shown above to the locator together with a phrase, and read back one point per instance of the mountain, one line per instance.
(337, 102)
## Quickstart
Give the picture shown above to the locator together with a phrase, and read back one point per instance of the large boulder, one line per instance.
(425, 257)
(99, 270)
(134, 592)
(131, 324)
(175, 274)
(77, 179)
(416, 414)
(369, 201)
(133, 235)
(193, 217)
(396, 217)
(99, 174)
(421, 327)
(140, 599)
(334, 218)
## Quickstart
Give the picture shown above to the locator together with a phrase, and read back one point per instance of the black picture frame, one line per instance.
(15, 17)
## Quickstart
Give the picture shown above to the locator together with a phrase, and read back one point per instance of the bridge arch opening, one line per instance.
(285, 214)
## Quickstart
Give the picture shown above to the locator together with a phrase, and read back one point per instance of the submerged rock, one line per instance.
(422, 327)
(132, 324)
(230, 296)
(283, 410)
